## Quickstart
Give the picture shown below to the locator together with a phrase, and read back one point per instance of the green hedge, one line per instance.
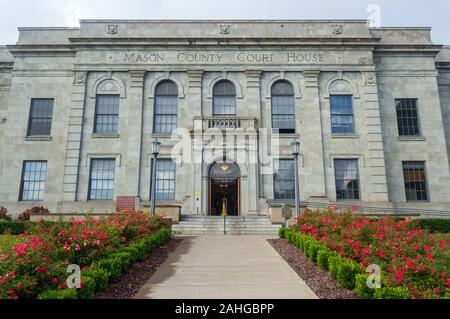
(12, 227)
(101, 272)
(391, 293)
(435, 225)
(347, 272)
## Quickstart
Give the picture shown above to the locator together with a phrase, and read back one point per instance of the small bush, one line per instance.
(334, 263)
(88, 288)
(25, 216)
(435, 225)
(4, 214)
(347, 271)
(361, 288)
(313, 249)
(281, 232)
(111, 265)
(59, 294)
(392, 293)
(13, 228)
(322, 258)
(100, 276)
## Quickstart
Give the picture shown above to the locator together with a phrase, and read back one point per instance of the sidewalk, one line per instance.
(225, 267)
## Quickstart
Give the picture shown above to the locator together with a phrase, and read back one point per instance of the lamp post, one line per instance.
(155, 152)
(296, 151)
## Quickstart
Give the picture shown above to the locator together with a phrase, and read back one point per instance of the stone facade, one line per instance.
(130, 58)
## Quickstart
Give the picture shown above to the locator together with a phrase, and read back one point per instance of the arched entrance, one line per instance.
(224, 189)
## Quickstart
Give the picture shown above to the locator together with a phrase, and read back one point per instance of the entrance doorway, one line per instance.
(224, 189)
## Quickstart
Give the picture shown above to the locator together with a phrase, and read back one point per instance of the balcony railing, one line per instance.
(224, 123)
(227, 122)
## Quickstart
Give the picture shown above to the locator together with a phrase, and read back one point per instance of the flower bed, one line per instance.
(408, 256)
(102, 248)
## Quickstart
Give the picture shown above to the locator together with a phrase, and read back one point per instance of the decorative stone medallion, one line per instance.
(113, 28)
(225, 29)
(337, 28)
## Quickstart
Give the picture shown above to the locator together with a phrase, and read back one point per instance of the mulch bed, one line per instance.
(318, 279)
(135, 277)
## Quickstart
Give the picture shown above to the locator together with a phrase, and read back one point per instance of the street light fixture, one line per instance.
(295, 145)
(155, 151)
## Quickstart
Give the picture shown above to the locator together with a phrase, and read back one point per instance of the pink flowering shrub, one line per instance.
(408, 256)
(40, 261)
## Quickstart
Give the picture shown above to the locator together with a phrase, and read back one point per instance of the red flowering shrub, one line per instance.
(4, 214)
(408, 256)
(40, 261)
(25, 216)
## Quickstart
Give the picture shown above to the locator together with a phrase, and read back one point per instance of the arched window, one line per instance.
(224, 98)
(166, 107)
(283, 110)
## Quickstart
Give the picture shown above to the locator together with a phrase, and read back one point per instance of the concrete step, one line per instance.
(235, 225)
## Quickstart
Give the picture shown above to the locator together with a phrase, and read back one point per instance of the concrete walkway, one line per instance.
(225, 267)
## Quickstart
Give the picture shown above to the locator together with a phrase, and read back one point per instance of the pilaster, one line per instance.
(312, 139)
(134, 129)
(375, 148)
(74, 137)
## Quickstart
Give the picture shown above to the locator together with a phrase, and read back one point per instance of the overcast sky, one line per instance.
(434, 13)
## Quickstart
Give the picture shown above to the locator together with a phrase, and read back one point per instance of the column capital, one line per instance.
(253, 78)
(311, 78)
(369, 78)
(137, 78)
(195, 78)
(79, 77)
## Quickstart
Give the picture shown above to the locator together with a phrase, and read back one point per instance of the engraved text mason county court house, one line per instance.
(79, 108)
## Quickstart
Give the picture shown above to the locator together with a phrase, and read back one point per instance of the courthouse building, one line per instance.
(80, 107)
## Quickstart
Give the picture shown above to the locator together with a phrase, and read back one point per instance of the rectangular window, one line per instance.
(106, 114)
(415, 181)
(165, 179)
(224, 105)
(407, 117)
(101, 179)
(341, 114)
(32, 185)
(283, 113)
(347, 179)
(166, 108)
(284, 180)
(40, 120)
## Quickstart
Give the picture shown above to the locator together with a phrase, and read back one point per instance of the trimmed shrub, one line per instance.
(322, 258)
(334, 262)
(99, 275)
(88, 287)
(346, 273)
(111, 265)
(435, 225)
(59, 294)
(313, 249)
(361, 288)
(281, 232)
(392, 293)
(14, 228)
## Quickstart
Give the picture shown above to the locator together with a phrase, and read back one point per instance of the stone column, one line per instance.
(253, 106)
(376, 160)
(194, 104)
(311, 139)
(133, 156)
(73, 147)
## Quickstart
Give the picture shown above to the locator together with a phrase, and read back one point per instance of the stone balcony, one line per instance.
(226, 122)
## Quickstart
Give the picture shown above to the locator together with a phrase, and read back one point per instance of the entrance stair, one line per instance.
(191, 225)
